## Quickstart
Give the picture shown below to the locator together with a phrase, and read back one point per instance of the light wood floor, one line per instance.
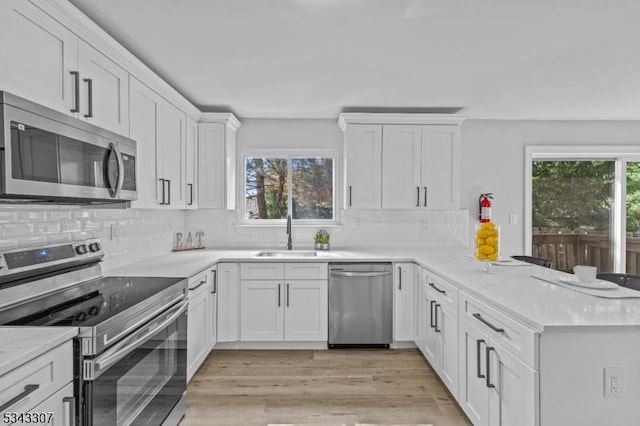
(337, 387)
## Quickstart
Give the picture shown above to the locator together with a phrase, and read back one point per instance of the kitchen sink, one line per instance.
(286, 253)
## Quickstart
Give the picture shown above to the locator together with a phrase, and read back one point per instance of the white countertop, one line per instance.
(22, 344)
(540, 305)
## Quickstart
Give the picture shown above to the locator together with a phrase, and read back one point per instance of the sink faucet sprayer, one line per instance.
(289, 242)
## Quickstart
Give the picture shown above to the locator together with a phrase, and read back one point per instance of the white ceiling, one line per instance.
(535, 59)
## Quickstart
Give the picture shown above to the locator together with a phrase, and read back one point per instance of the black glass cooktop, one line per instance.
(86, 304)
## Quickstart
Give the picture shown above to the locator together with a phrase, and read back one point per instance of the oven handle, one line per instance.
(101, 363)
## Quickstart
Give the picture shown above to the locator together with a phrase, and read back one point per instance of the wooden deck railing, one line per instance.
(567, 250)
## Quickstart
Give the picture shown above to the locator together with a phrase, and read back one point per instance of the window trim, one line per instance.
(290, 153)
(618, 153)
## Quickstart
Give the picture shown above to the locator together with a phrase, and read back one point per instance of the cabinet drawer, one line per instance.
(515, 337)
(306, 271)
(261, 271)
(446, 294)
(196, 282)
(49, 372)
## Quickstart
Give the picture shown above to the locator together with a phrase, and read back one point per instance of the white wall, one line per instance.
(493, 161)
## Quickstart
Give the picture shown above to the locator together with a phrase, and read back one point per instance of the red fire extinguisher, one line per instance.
(484, 211)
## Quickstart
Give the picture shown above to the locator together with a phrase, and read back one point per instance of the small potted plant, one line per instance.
(322, 240)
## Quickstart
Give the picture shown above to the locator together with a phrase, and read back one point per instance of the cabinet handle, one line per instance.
(425, 196)
(287, 295)
(168, 191)
(487, 354)
(163, 197)
(28, 390)
(431, 309)
(436, 327)
(488, 324)
(190, 193)
(418, 191)
(203, 282)
(349, 195)
(89, 82)
(399, 278)
(215, 281)
(437, 289)
(76, 85)
(278, 295)
(479, 363)
(72, 408)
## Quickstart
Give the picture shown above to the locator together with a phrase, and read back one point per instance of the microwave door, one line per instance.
(114, 170)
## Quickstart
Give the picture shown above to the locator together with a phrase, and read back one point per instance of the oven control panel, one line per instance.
(35, 257)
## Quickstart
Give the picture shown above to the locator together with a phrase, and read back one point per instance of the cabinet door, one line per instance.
(363, 165)
(432, 349)
(211, 165)
(403, 302)
(61, 406)
(401, 169)
(41, 55)
(417, 291)
(172, 155)
(191, 165)
(261, 310)
(513, 400)
(421, 312)
(448, 336)
(306, 310)
(213, 310)
(144, 119)
(228, 302)
(104, 99)
(441, 167)
(197, 328)
(473, 394)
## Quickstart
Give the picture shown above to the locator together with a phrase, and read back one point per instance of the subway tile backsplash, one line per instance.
(127, 235)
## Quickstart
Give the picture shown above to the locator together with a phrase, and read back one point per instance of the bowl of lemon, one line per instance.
(487, 243)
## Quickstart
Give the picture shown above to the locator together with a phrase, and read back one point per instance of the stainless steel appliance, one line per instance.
(130, 364)
(360, 305)
(49, 156)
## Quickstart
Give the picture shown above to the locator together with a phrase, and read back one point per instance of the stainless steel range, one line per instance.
(130, 356)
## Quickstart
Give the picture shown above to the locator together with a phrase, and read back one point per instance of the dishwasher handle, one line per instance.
(360, 274)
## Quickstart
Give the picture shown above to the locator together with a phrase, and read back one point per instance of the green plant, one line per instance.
(322, 237)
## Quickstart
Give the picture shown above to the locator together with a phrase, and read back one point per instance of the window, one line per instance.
(583, 206)
(278, 186)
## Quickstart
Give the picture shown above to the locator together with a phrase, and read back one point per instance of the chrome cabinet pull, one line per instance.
(72, 409)
(487, 353)
(163, 196)
(488, 324)
(287, 295)
(76, 85)
(436, 327)
(215, 281)
(278, 295)
(437, 289)
(28, 390)
(168, 191)
(349, 195)
(89, 82)
(399, 278)
(418, 191)
(203, 282)
(190, 194)
(479, 363)
(431, 309)
(425, 196)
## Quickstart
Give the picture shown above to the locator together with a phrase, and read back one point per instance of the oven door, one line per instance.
(140, 380)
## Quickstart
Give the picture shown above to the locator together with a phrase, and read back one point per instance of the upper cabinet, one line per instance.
(402, 161)
(217, 161)
(191, 165)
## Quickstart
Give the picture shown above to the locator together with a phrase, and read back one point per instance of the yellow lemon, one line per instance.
(486, 249)
(480, 242)
(483, 233)
(492, 257)
(480, 255)
(492, 241)
(494, 233)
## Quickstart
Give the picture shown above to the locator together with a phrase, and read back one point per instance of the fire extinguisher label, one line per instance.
(485, 214)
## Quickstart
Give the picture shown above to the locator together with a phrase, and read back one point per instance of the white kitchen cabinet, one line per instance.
(104, 93)
(228, 279)
(60, 406)
(217, 161)
(170, 156)
(198, 321)
(284, 301)
(363, 166)
(191, 164)
(404, 303)
(212, 339)
(440, 178)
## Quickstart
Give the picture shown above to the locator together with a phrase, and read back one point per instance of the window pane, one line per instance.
(633, 218)
(266, 188)
(312, 188)
(572, 206)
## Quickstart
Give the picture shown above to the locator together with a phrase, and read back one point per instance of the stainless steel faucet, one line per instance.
(289, 242)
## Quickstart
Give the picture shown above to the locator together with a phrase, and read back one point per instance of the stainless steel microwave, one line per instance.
(46, 155)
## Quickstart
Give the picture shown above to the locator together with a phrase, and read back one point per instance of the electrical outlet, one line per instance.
(513, 218)
(114, 231)
(613, 382)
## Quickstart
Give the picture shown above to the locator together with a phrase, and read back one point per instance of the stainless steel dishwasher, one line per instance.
(360, 305)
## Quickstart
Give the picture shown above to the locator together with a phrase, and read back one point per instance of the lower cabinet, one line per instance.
(198, 321)
(403, 302)
(228, 303)
(61, 407)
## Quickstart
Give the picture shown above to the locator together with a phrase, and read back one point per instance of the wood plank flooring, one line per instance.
(305, 387)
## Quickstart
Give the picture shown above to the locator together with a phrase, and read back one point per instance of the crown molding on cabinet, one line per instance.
(225, 118)
(76, 21)
(398, 118)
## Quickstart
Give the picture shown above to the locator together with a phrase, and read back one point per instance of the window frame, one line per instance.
(289, 154)
(619, 154)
